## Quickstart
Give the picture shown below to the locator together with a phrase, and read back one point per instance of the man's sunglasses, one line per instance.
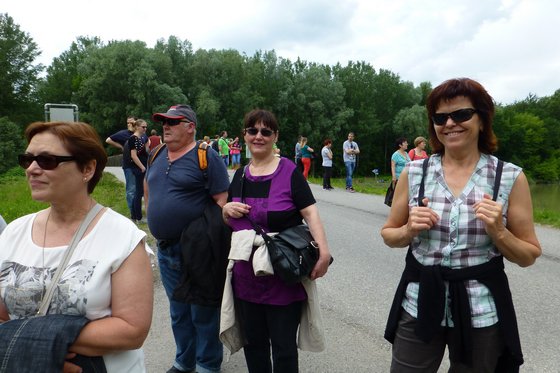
(254, 131)
(458, 116)
(45, 161)
(173, 122)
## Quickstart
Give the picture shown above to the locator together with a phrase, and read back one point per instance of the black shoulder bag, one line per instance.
(293, 252)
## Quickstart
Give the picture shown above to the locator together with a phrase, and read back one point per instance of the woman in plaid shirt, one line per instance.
(460, 214)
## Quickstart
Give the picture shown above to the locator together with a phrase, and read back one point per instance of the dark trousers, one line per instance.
(327, 174)
(265, 325)
(299, 165)
(411, 355)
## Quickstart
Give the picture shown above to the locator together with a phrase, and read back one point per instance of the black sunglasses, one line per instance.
(458, 116)
(173, 122)
(254, 131)
(45, 161)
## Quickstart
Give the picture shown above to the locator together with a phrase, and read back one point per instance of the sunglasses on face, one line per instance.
(45, 161)
(458, 116)
(173, 122)
(265, 132)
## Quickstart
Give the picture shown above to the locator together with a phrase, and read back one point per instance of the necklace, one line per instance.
(44, 288)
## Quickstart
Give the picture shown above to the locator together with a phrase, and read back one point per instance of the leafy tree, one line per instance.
(11, 144)
(120, 80)
(63, 79)
(18, 74)
(411, 122)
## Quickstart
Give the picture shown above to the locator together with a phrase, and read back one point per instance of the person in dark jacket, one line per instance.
(176, 194)
(469, 211)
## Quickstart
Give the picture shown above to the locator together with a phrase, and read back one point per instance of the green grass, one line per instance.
(110, 192)
(368, 185)
(17, 201)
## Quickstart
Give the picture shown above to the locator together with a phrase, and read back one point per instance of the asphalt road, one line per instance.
(356, 295)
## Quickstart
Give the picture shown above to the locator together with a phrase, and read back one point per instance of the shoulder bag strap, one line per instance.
(421, 190)
(498, 179)
(73, 243)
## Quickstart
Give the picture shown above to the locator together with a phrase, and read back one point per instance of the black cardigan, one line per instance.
(431, 304)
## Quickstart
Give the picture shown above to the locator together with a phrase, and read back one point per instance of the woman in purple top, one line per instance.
(276, 197)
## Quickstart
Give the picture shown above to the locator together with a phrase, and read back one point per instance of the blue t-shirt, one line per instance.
(177, 193)
(121, 136)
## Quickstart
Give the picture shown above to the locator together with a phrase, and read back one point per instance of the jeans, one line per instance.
(138, 194)
(40, 344)
(226, 160)
(130, 185)
(235, 159)
(195, 328)
(350, 166)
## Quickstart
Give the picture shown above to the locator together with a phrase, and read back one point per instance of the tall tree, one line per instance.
(63, 79)
(18, 74)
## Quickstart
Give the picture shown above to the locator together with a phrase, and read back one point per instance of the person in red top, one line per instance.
(155, 140)
(419, 151)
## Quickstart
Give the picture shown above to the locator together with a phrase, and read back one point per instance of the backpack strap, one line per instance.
(154, 153)
(203, 160)
(497, 180)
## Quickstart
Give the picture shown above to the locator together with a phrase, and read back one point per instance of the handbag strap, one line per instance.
(256, 227)
(45, 304)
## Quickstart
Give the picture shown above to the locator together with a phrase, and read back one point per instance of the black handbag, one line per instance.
(293, 252)
(389, 194)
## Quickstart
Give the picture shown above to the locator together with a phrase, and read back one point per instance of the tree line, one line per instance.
(112, 80)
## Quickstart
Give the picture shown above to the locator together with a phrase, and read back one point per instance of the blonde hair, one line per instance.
(418, 140)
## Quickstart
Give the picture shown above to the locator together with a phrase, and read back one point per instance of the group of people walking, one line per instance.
(460, 212)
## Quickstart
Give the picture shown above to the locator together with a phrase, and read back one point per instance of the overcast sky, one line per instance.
(510, 46)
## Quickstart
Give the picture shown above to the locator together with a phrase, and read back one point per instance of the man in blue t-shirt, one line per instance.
(118, 139)
(176, 192)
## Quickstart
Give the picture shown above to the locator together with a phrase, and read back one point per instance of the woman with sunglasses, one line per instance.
(460, 214)
(108, 279)
(271, 193)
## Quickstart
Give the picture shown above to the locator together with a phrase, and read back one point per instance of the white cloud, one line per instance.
(509, 45)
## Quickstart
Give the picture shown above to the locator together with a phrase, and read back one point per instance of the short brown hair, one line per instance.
(482, 102)
(80, 139)
(260, 116)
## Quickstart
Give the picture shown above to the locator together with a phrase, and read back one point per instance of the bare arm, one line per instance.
(220, 198)
(4, 316)
(131, 310)
(517, 241)
(311, 216)
(404, 223)
(393, 172)
(136, 160)
(113, 143)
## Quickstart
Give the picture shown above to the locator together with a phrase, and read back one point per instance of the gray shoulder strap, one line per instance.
(45, 304)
